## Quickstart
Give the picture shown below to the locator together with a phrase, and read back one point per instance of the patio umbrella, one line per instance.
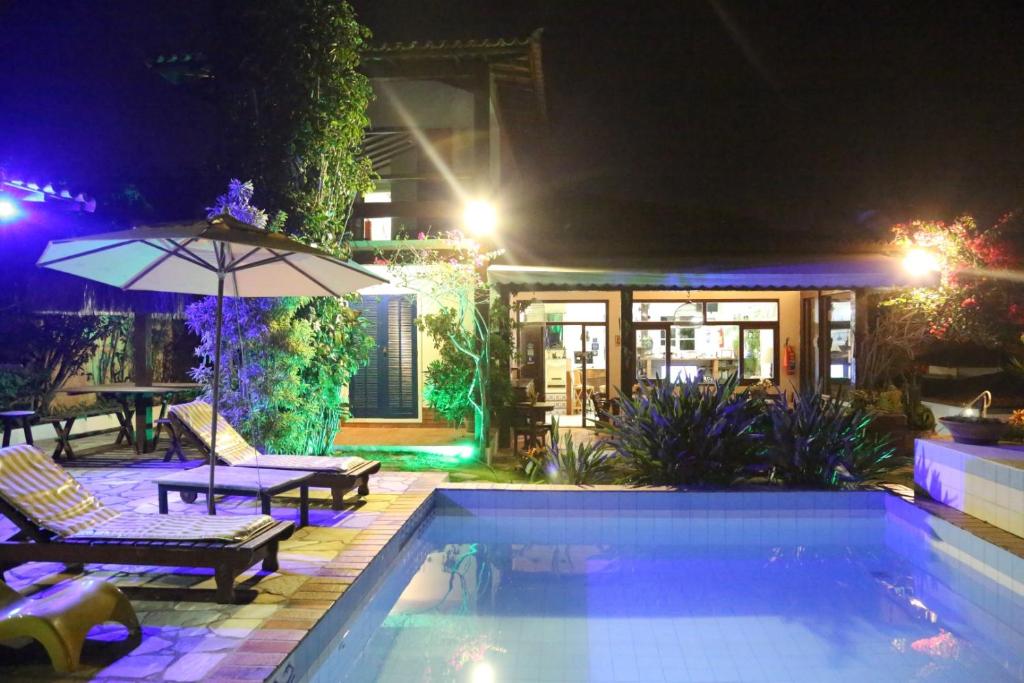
(220, 256)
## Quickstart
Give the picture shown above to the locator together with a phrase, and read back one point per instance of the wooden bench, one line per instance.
(17, 419)
(62, 425)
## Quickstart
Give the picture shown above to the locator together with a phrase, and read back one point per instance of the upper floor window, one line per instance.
(377, 228)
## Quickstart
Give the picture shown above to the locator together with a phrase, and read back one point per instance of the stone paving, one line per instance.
(186, 635)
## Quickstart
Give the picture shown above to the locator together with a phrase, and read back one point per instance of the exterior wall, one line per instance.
(425, 349)
(789, 323)
(432, 105)
(614, 322)
(789, 318)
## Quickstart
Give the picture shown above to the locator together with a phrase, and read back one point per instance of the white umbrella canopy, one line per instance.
(218, 257)
(192, 258)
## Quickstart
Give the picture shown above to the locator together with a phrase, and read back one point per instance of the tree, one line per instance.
(51, 348)
(448, 385)
(294, 105)
(978, 299)
(295, 108)
(455, 281)
(284, 360)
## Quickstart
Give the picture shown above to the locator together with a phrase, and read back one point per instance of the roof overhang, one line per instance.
(825, 272)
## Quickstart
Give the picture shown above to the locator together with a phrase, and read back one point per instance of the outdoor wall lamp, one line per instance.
(480, 218)
(919, 262)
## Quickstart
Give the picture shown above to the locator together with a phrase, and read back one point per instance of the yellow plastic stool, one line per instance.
(60, 621)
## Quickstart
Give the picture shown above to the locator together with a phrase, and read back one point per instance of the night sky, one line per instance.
(816, 115)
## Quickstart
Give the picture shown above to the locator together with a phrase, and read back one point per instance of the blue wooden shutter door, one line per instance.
(387, 386)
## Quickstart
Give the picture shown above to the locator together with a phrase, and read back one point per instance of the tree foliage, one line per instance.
(295, 108)
(264, 350)
(454, 280)
(976, 299)
(449, 378)
(50, 349)
(284, 361)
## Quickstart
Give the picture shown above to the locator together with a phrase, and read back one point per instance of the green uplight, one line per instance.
(418, 457)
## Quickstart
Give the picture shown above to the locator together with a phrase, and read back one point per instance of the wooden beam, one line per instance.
(627, 366)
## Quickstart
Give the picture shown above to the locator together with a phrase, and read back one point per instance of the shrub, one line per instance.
(447, 386)
(687, 432)
(821, 442)
(565, 462)
(449, 381)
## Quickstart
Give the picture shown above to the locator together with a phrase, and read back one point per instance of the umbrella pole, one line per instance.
(210, 507)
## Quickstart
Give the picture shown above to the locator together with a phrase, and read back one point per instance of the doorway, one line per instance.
(388, 386)
(563, 347)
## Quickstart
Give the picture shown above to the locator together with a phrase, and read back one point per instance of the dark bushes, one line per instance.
(692, 433)
(685, 432)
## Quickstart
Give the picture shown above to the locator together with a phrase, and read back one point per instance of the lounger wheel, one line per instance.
(189, 496)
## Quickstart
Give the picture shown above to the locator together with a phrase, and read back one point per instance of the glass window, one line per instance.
(650, 353)
(841, 339)
(736, 311)
(564, 311)
(683, 339)
(674, 341)
(758, 353)
(842, 311)
(668, 311)
(377, 228)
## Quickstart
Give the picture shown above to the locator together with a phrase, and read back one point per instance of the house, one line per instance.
(452, 121)
(675, 294)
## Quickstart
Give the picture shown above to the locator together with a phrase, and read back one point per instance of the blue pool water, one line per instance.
(715, 587)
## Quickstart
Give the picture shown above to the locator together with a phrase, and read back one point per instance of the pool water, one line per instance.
(736, 589)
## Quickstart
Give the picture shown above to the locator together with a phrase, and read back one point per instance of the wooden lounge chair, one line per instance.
(340, 475)
(60, 521)
(61, 620)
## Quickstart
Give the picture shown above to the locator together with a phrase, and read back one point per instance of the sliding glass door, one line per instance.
(573, 361)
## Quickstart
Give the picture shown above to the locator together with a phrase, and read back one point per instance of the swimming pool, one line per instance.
(497, 586)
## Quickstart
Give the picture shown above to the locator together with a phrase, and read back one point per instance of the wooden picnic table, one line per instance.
(137, 401)
(237, 481)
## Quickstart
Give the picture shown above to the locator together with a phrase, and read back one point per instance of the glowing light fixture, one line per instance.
(480, 217)
(482, 672)
(920, 262)
(9, 209)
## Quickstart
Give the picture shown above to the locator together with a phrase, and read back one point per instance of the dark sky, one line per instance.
(798, 114)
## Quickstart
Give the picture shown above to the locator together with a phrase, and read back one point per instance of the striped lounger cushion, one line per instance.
(46, 494)
(236, 451)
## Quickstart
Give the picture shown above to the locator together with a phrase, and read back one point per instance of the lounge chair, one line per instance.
(340, 475)
(60, 521)
(60, 621)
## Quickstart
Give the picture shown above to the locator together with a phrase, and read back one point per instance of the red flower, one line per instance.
(969, 302)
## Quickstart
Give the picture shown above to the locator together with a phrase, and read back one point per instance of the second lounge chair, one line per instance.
(340, 475)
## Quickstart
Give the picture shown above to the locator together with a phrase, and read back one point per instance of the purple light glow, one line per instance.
(9, 210)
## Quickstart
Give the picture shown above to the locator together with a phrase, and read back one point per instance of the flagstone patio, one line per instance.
(186, 635)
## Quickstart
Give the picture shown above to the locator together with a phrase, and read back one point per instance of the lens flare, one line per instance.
(919, 262)
(480, 217)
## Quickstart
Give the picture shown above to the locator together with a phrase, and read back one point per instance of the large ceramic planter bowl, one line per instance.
(975, 431)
